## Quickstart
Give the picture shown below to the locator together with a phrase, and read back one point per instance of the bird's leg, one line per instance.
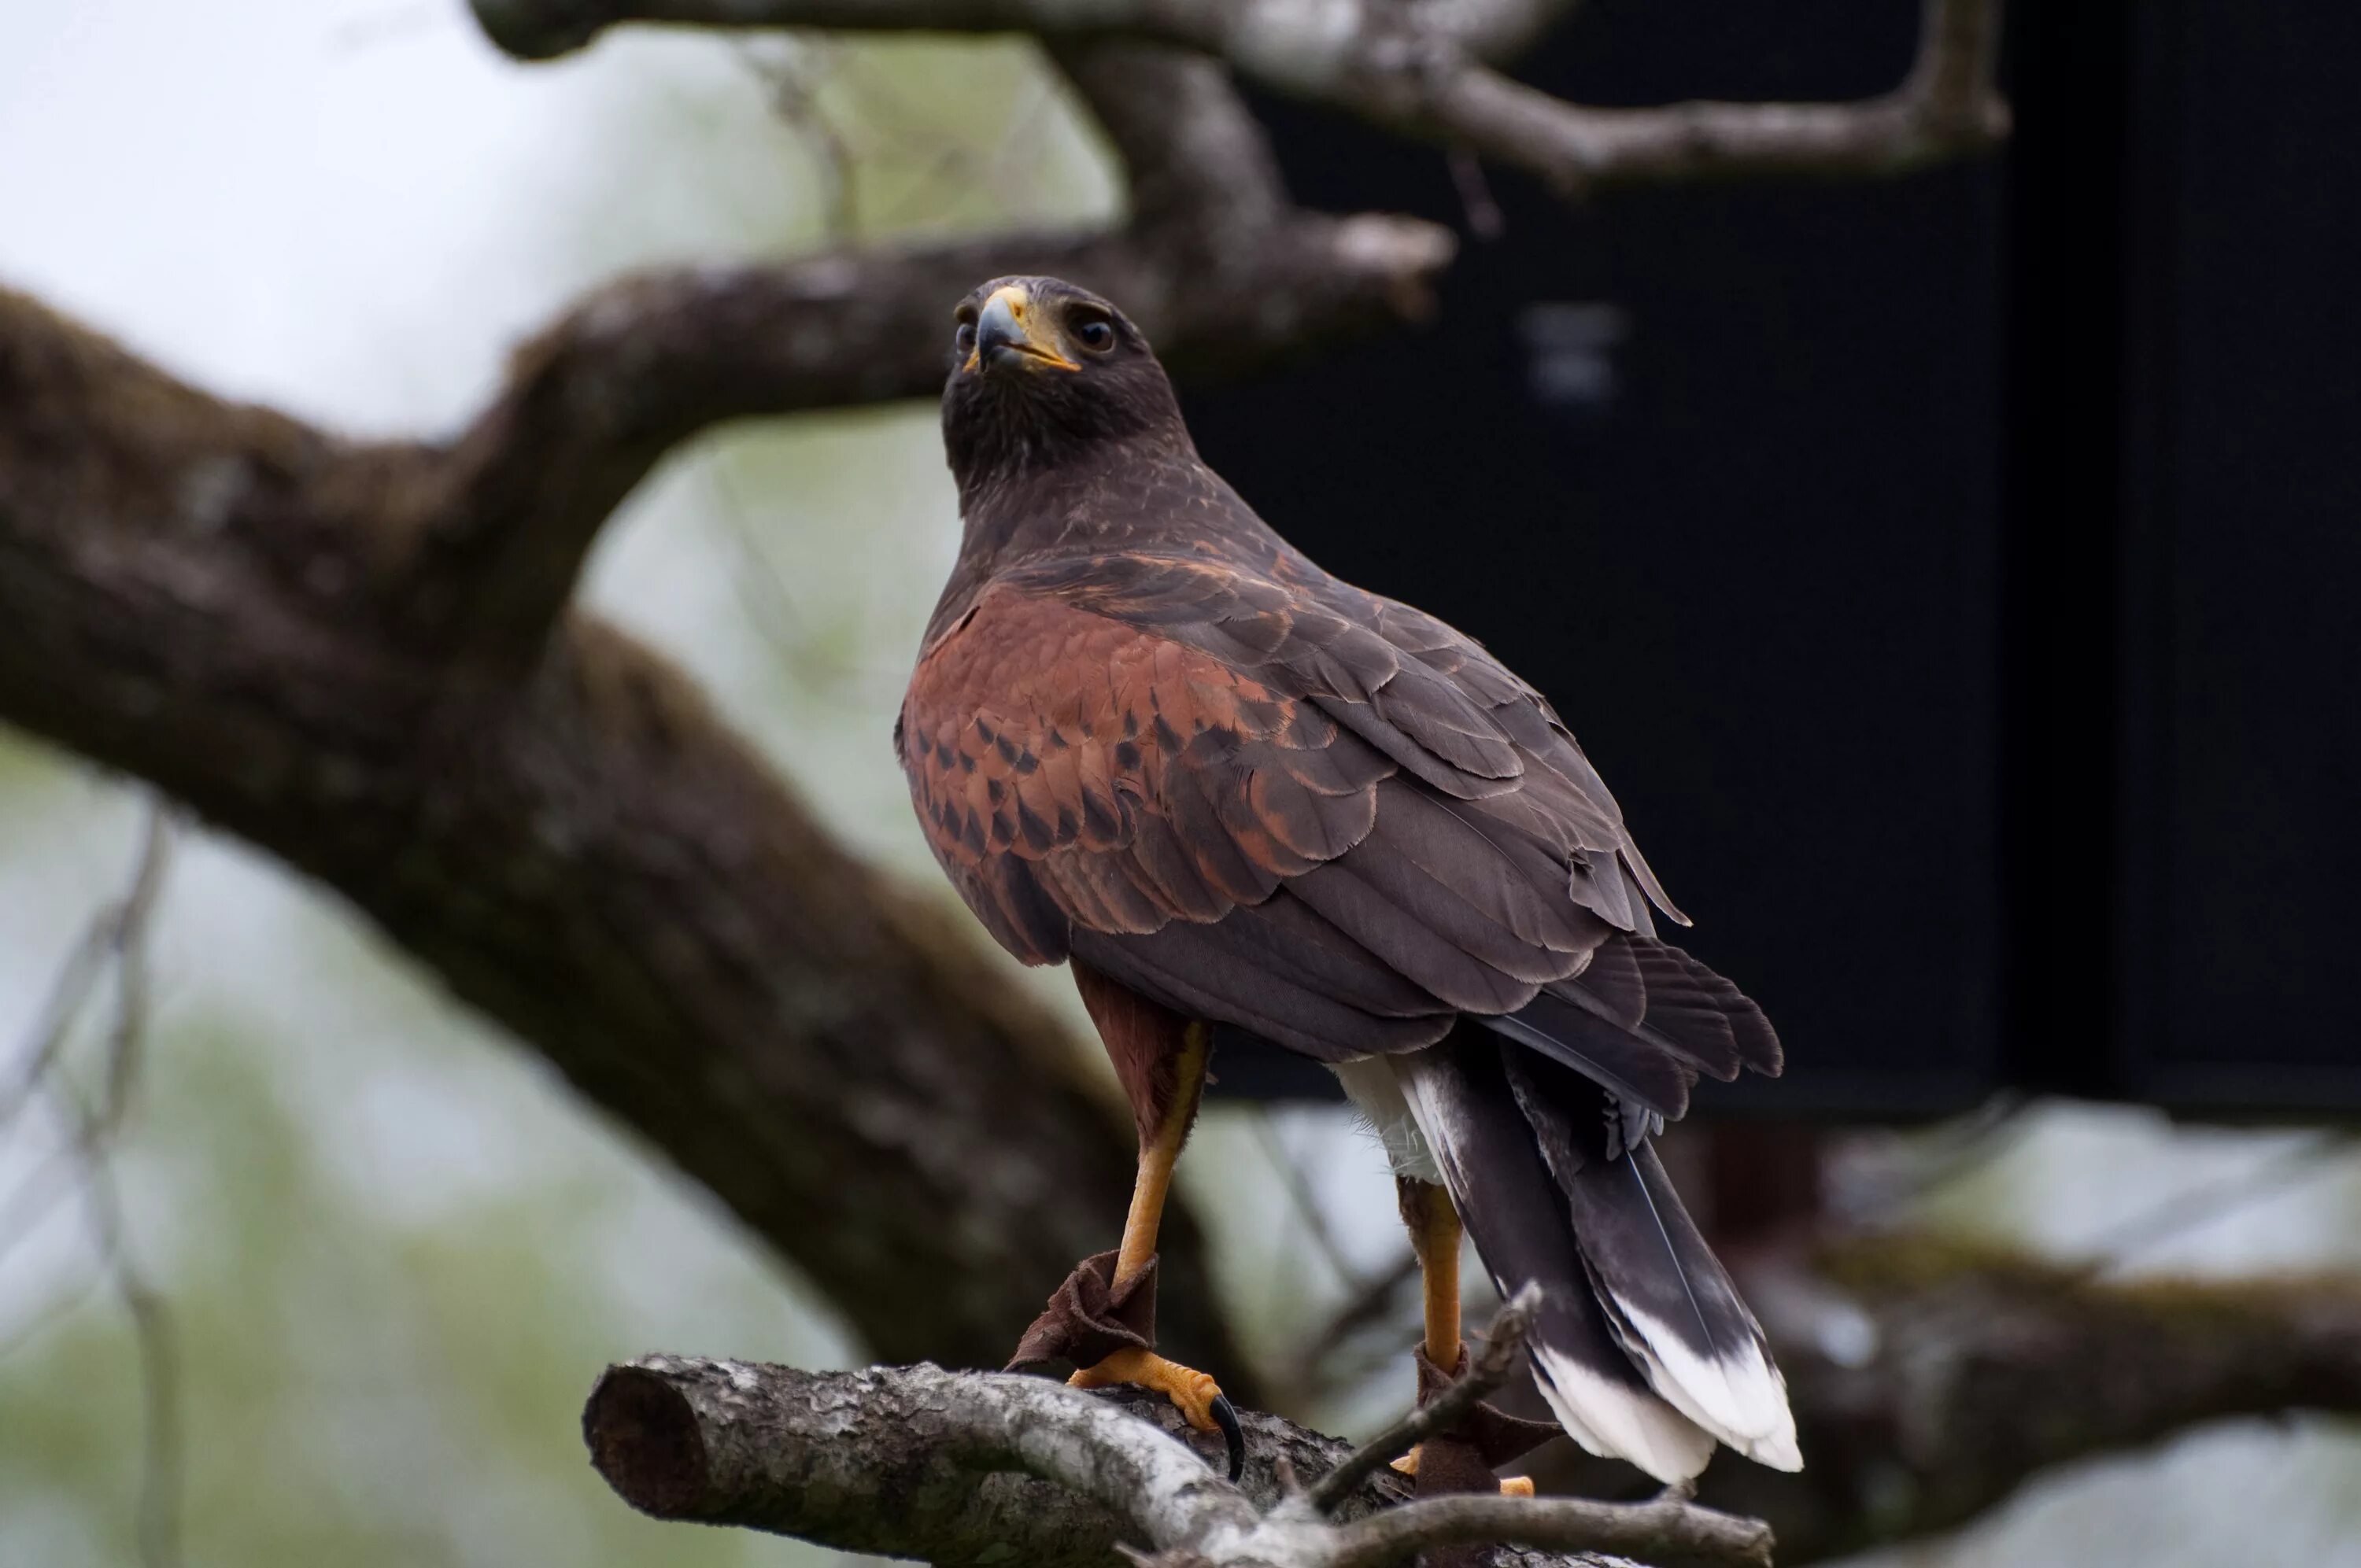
(1434, 1234)
(1164, 1123)
(1104, 1316)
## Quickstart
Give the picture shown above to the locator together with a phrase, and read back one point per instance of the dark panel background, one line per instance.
(1898, 551)
(2243, 562)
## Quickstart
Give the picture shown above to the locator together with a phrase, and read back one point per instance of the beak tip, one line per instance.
(996, 326)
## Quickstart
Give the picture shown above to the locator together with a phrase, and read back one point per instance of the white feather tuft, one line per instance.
(1369, 1083)
(1619, 1424)
(1739, 1398)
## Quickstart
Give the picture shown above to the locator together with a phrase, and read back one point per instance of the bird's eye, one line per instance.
(1095, 333)
(964, 338)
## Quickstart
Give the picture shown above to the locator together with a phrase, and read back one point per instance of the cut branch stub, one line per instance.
(645, 1438)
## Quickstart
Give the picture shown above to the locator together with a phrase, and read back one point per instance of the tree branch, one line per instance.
(1420, 70)
(961, 1468)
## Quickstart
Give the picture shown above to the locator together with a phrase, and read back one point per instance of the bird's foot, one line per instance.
(1195, 1394)
(1510, 1485)
(1109, 1331)
(1465, 1458)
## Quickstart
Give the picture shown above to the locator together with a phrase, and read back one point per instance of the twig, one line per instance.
(1488, 1370)
(160, 1466)
(119, 931)
(102, 937)
(112, 934)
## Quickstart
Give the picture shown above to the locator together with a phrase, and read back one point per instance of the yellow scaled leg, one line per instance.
(1435, 1232)
(1195, 1394)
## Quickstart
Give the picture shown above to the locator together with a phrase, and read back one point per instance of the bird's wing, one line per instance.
(1425, 694)
(1560, 798)
(1272, 800)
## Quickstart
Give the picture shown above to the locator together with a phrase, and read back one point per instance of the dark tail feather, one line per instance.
(1510, 1203)
(1650, 1084)
(1668, 1302)
(1642, 1021)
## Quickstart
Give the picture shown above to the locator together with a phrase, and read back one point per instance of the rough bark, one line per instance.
(972, 1468)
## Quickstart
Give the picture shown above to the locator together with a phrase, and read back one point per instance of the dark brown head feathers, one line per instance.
(1041, 372)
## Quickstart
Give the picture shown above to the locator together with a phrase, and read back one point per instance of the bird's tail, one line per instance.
(1644, 1349)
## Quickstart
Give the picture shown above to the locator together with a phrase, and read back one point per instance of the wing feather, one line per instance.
(1384, 823)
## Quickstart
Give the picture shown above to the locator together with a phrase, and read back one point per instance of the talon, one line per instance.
(1195, 1394)
(1234, 1436)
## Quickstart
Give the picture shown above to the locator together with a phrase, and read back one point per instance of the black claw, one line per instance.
(1234, 1436)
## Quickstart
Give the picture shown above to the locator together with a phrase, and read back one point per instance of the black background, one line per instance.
(1954, 576)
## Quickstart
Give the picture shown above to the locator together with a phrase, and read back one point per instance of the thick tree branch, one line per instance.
(1420, 70)
(976, 1468)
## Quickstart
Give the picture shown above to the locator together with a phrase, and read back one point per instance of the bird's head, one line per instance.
(1042, 370)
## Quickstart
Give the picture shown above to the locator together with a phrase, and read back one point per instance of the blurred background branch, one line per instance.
(114, 942)
(1421, 70)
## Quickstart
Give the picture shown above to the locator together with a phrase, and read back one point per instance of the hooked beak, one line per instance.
(1010, 330)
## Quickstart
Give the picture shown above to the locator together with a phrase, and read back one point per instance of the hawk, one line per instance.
(1148, 737)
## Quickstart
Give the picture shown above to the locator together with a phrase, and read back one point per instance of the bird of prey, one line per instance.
(1148, 737)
